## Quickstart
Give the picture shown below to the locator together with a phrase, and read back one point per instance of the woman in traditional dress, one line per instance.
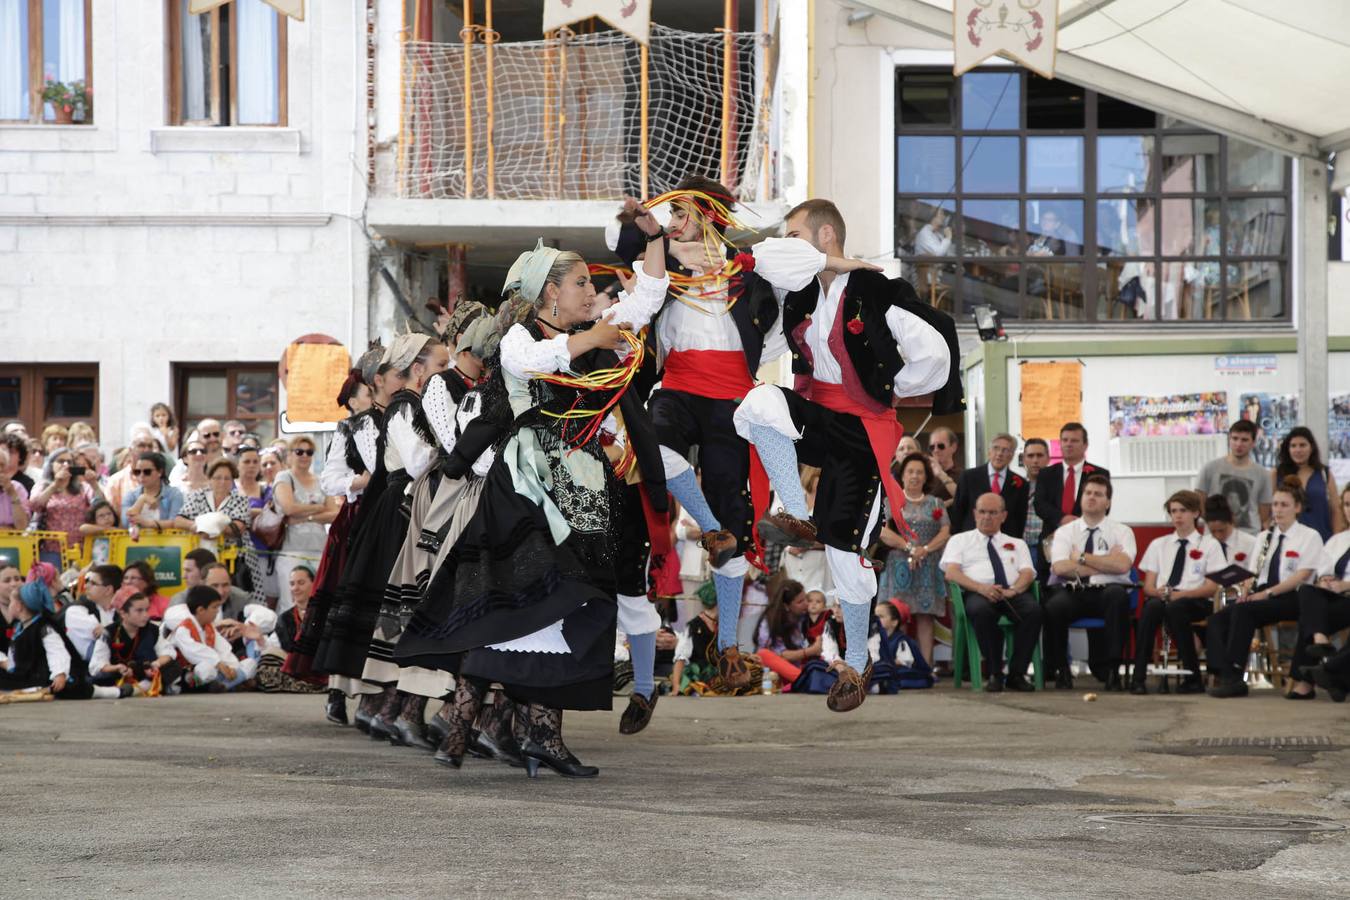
(532, 602)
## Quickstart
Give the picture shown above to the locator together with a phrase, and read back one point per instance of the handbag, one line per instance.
(270, 526)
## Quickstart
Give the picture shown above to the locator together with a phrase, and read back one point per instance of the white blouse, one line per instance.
(337, 477)
(404, 447)
(1302, 549)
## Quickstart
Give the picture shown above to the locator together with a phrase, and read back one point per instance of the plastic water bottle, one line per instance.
(766, 685)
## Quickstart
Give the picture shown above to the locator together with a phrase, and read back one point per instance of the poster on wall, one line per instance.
(1274, 415)
(1169, 415)
(1052, 394)
(1338, 438)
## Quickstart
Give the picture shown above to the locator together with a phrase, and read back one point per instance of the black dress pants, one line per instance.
(1178, 614)
(1230, 631)
(1026, 617)
(1319, 612)
(1109, 602)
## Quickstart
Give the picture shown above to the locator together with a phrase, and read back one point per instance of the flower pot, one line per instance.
(65, 115)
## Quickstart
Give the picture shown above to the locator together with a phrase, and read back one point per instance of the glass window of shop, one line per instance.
(1050, 202)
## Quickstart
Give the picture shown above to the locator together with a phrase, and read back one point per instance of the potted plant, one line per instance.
(68, 100)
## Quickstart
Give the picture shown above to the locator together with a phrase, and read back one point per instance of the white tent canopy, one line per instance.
(1274, 73)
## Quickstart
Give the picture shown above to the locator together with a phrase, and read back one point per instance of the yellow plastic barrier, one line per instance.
(19, 548)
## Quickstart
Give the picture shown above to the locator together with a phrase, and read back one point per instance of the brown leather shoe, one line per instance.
(721, 547)
(734, 671)
(784, 528)
(638, 714)
(850, 689)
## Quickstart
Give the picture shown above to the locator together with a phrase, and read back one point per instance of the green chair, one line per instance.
(966, 646)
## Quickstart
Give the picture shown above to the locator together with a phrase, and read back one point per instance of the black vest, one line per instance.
(873, 352)
(30, 658)
(349, 428)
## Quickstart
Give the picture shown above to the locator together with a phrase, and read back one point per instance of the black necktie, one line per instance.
(1087, 545)
(1000, 575)
(1223, 545)
(1178, 563)
(1341, 564)
(1273, 572)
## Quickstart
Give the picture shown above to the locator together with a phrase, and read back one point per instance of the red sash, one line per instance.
(191, 625)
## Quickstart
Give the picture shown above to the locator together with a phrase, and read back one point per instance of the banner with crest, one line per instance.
(1021, 30)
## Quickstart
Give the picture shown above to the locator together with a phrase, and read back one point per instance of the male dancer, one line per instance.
(859, 342)
(714, 337)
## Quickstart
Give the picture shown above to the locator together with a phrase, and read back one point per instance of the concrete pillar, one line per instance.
(1311, 295)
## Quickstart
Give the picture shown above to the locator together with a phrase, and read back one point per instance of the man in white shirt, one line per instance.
(860, 342)
(1092, 556)
(1177, 588)
(994, 572)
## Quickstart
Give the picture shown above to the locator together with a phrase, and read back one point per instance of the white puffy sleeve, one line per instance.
(440, 409)
(787, 263)
(684, 647)
(80, 625)
(417, 455)
(101, 657)
(927, 360)
(639, 307)
(58, 657)
(523, 356)
(336, 478)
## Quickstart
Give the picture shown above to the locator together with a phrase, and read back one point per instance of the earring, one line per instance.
(555, 309)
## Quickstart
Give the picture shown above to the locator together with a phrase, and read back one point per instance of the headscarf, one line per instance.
(466, 313)
(476, 337)
(404, 351)
(530, 271)
(44, 572)
(369, 363)
(37, 598)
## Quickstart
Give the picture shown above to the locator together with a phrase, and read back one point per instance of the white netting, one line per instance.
(567, 115)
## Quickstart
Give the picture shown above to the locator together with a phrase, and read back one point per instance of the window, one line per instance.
(227, 66)
(42, 41)
(247, 392)
(40, 395)
(1051, 202)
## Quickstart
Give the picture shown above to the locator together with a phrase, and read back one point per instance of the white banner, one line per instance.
(293, 8)
(1021, 30)
(633, 17)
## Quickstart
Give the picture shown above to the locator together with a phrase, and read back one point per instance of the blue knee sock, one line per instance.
(780, 462)
(642, 650)
(857, 619)
(686, 490)
(729, 609)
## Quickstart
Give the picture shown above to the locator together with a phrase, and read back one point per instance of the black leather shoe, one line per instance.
(1311, 695)
(1019, 684)
(336, 711)
(380, 730)
(1064, 680)
(1321, 651)
(485, 747)
(362, 722)
(993, 684)
(406, 734)
(638, 714)
(1330, 683)
(1138, 688)
(437, 729)
(570, 766)
(1113, 682)
(1192, 684)
(1230, 687)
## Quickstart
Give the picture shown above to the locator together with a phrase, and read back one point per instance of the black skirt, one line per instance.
(300, 661)
(376, 541)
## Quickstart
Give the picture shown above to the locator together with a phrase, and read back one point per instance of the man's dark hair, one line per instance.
(200, 596)
(212, 566)
(1042, 441)
(1243, 426)
(109, 574)
(1074, 426)
(1217, 509)
(201, 557)
(821, 212)
(1099, 478)
(17, 444)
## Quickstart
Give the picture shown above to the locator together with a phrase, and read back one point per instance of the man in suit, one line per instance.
(1054, 506)
(994, 477)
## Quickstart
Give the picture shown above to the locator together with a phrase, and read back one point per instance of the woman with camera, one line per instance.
(68, 491)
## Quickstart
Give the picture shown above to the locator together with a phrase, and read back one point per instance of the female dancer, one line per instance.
(533, 599)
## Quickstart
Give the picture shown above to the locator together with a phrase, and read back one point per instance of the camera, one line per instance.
(76, 471)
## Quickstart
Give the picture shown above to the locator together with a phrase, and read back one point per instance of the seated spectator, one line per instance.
(11, 579)
(1333, 674)
(102, 518)
(55, 437)
(66, 495)
(222, 511)
(818, 615)
(780, 628)
(18, 460)
(40, 655)
(695, 667)
(154, 503)
(994, 571)
(1323, 609)
(897, 663)
(123, 480)
(88, 618)
(140, 578)
(165, 428)
(195, 562)
(232, 435)
(205, 654)
(13, 495)
(290, 623)
(1177, 589)
(1092, 556)
(233, 598)
(135, 650)
(190, 473)
(1288, 555)
(1238, 547)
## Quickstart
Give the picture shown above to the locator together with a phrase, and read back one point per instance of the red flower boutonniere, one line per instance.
(855, 324)
(1196, 554)
(1239, 557)
(745, 260)
(937, 513)
(1291, 554)
(1008, 547)
(1016, 482)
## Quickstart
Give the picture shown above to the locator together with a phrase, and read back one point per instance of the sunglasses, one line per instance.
(303, 451)
(196, 451)
(143, 472)
(235, 432)
(210, 434)
(937, 446)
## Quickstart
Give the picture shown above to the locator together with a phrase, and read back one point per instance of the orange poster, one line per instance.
(1052, 394)
(314, 375)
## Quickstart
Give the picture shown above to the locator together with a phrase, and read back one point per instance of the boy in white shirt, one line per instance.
(205, 653)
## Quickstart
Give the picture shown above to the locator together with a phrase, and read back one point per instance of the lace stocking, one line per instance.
(414, 709)
(464, 707)
(370, 704)
(393, 702)
(544, 727)
(444, 713)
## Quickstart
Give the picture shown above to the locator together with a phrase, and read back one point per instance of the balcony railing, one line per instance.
(585, 116)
